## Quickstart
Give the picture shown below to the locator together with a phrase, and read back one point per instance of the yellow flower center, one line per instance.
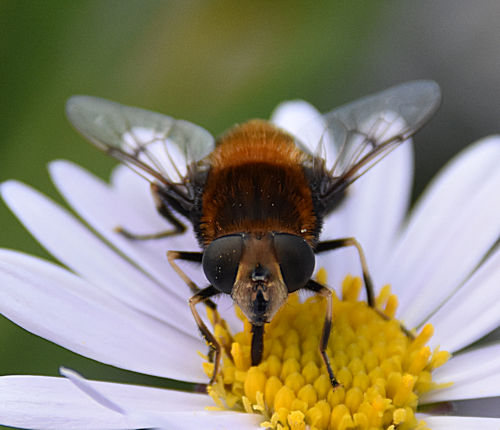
(382, 370)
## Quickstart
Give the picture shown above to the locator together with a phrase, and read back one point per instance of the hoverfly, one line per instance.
(256, 196)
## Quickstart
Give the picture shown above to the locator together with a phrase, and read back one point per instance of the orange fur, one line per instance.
(257, 184)
(256, 141)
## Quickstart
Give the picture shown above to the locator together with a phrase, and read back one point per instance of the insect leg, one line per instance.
(202, 296)
(350, 241)
(257, 344)
(194, 257)
(164, 211)
(327, 326)
(185, 256)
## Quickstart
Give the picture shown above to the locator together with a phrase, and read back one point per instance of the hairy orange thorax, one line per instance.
(257, 184)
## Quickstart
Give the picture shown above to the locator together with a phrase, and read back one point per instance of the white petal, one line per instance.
(54, 403)
(36, 402)
(128, 203)
(211, 420)
(104, 209)
(372, 213)
(487, 386)
(474, 374)
(469, 365)
(55, 304)
(473, 311)
(75, 246)
(303, 121)
(452, 227)
(462, 423)
(174, 419)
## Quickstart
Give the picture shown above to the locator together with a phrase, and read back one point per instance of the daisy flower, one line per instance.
(119, 302)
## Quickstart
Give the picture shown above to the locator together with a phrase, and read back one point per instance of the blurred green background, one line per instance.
(216, 63)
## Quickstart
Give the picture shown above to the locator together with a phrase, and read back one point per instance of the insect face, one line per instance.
(258, 270)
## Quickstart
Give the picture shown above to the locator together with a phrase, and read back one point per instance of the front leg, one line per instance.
(203, 296)
(327, 326)
(194, 257)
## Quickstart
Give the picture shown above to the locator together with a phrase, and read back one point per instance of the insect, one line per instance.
(256, 196)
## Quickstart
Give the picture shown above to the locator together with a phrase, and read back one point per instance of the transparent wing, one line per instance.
(157, 146)
(365, 131)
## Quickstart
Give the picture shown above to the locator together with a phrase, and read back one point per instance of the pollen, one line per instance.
(382, 368)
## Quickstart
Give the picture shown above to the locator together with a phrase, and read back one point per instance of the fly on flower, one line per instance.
(256, 196)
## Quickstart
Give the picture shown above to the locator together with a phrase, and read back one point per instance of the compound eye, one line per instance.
(221, 260)
(296, 260)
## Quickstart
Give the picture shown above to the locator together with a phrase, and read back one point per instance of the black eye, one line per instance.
(221, 260)
(296, 260)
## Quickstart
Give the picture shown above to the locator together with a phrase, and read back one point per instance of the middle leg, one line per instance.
(350, 241)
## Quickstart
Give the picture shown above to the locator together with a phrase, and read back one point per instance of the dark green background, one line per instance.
(217, 63)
